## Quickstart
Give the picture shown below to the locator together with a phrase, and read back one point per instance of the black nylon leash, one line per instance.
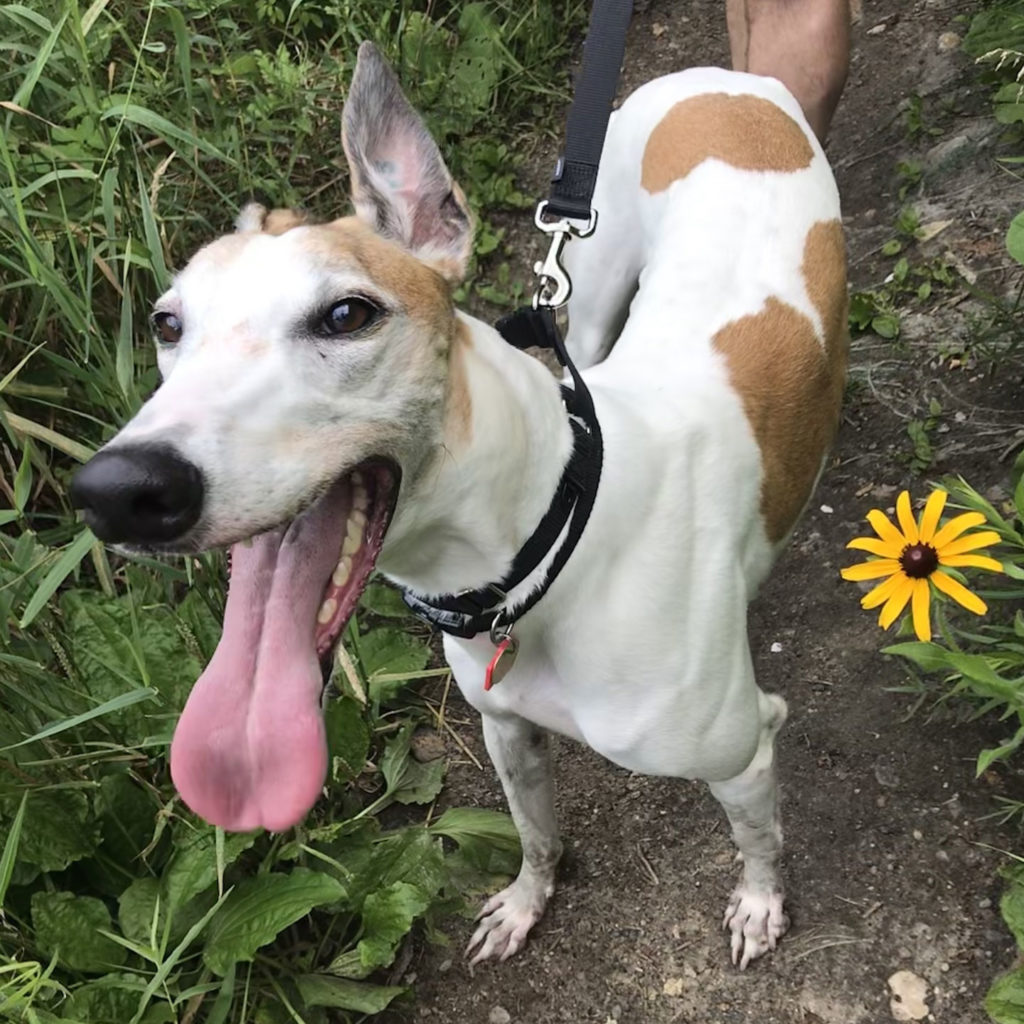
(485, 609)
(576, 174)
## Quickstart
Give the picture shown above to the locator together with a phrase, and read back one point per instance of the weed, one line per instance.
(920, 430)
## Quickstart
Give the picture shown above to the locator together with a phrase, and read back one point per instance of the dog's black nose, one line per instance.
(138, 494)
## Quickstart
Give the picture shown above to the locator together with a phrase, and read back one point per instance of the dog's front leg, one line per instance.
(520, 753)
(755, 914)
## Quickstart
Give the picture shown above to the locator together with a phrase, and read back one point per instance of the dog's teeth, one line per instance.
(358, 517)
(341, 573)
(360, 500)
(353, 539)
(357, 479)
(327, 610)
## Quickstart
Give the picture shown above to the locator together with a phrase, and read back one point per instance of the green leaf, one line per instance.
(325, 990)
(1005, 999)
(11, 849)
(58, 828)
(136, 908)
(111, 998)
(927, 656)
(62, 568)
(23, 478)
(161, 126)
(69, 926)
(408, 781)
(193, 868)
(383, 599)
(391, 652)
(259, 909)
(348, 738)
(893, 246)
(387, 917)
(986, 757)
(1011, 903)
(886, 325)
(1015, 240)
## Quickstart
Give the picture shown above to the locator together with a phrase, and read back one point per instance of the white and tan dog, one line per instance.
(325, 409)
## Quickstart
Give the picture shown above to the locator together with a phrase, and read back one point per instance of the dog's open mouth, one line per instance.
(250, 750)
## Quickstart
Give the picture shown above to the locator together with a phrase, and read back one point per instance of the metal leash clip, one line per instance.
(555, 284)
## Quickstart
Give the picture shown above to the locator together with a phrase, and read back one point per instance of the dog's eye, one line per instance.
(349, 315)
(168, 328)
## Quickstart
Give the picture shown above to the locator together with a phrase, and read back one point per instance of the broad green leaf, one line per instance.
(69, 926)
(387, 917)
(391, 652)
(408, 781)
(1015, 244)
(1005, 999)
(886, 325)
(383, 599)
(488, 841)
(111, 998)
(325, 990)
(58, 828)
(927, 656)
(136, 907)
(193, 868)
(259, 908)
(348, 738)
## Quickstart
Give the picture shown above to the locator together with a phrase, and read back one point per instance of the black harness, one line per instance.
(487, 609)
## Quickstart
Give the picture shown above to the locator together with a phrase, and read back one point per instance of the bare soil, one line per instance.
(891, 861)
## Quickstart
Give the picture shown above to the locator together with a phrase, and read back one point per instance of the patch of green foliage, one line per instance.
(996, 38)
(985, 667)
(130, 134)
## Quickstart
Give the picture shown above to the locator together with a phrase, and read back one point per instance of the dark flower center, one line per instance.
(919, 560)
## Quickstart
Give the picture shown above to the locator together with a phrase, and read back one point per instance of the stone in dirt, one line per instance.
(909, 992)
(499, 1015)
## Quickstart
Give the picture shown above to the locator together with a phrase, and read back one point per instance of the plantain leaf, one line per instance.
(259, 909)
(69, 926)
(325, 990)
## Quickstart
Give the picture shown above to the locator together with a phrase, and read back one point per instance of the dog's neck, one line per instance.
(494, 475)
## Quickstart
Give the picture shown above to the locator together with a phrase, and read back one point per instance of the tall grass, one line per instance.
(130, 134)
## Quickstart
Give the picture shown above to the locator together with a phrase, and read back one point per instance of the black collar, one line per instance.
(471, 612)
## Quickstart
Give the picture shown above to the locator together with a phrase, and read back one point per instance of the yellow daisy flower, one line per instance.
(910, 556)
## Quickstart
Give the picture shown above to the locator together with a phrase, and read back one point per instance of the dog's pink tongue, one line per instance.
(249, 750)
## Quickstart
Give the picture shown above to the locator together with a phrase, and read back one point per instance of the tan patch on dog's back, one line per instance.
(458, 416)
(277, 222)
(745, 131)
(790, 389)
(824, 271)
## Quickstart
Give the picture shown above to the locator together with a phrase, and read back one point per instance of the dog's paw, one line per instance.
(505, 920)
(757, 921)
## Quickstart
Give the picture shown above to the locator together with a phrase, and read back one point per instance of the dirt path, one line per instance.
(885, 863)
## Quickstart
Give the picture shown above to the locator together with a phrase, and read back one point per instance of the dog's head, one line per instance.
(305, 379)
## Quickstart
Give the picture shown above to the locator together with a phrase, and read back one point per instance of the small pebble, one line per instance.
(917, 833)
(827, 509)
(984, 904)
(776, 648)
(499, 1015)
(948, 41)
(877, 30)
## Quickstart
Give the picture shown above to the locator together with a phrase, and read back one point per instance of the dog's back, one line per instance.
(719, 231)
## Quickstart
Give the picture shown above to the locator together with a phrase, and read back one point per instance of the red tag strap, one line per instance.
(489, 679)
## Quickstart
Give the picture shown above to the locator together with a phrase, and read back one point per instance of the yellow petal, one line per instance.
(930, 516)
(884, 590)
(906, 517)
(972, 561)
(958, 592)
(871, 570)
(884, 528)
(897, 600)
(876, 547)
(971, 542)
(919, 606)
(955, 527)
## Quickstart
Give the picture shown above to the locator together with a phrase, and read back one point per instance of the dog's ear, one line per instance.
(400, 185)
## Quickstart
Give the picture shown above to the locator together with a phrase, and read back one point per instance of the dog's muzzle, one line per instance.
(139, 494)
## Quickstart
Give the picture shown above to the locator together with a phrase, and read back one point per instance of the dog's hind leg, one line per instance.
(520, 753)
(755, 914)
